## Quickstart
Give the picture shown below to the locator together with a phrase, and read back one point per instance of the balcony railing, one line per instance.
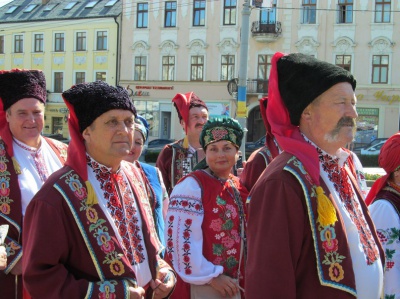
(257, 86)
(266, 32)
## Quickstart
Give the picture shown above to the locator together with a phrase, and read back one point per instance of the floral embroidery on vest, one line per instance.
(170, 242)
(97, 227)
(5, 200)
(107, 289)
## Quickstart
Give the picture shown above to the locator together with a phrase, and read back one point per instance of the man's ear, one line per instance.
(306, 114)
(86, 134)
(182, 122)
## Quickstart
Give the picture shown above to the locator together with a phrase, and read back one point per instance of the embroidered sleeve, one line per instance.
(184, 234)
(387, 225)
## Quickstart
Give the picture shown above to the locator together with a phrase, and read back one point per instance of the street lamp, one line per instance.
(241, 113)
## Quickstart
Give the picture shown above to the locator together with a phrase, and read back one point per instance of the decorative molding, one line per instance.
(168, 47)
(381, 44)
(228, 46)
(344, 45)
(140, 47)
(307, 45)
(197, 46)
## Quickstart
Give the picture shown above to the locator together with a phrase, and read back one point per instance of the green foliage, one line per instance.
(151, 157)
(372, 176)
(369, 160)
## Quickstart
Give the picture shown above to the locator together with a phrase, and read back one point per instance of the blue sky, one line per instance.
(4, 2)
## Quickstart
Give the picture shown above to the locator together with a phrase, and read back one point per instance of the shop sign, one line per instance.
(381, 96)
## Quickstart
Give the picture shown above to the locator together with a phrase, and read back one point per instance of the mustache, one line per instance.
(346, 121)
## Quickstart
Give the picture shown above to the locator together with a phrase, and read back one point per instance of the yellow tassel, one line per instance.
(326, 210)
(16, 165)
(186, 142)
(91, 195)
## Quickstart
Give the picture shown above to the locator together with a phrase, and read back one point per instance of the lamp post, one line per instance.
(241, 113)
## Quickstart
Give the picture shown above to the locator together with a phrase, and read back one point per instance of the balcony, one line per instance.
(255, 86)
(265, 32)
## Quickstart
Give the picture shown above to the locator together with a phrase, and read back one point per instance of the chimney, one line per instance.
(44, 2)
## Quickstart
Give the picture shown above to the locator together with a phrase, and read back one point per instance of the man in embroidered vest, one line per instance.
(89, 230)
(260, 158)
(26, 160)
(179, 159)
(309, 231)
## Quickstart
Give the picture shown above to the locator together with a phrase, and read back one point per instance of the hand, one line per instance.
(136, 293)
(225, 285)
(17, 269)
(163, 286)
(3, 258)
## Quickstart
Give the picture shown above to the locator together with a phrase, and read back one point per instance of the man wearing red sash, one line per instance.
(27, 159)
(90, 231)
(179, 159)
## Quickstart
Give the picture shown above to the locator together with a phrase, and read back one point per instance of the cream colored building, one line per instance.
(180, 46)
(71, 41)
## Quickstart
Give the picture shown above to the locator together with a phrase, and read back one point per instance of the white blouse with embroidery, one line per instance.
(202, 270)
(387, 223)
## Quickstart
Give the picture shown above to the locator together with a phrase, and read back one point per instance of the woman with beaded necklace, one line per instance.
(206, 219)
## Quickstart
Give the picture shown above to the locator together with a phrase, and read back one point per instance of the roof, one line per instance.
(34, 10)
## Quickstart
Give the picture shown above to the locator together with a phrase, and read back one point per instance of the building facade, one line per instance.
(71, 41)
(180, 46)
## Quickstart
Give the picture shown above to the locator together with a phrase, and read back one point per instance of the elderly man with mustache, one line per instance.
(309, 231)
(179, 158)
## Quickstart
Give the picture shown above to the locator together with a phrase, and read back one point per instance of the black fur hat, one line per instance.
(302, 78)
(90, 100)
(19, 84)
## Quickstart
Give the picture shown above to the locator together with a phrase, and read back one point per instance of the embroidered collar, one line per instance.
(340, 157)
(32, 150)
(98, 167)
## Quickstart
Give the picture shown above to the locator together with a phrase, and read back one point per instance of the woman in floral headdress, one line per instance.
(205, 226)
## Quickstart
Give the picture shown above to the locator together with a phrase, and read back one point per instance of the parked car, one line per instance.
(252, 146)
(374, 149)
(154, 147)
(357, 150)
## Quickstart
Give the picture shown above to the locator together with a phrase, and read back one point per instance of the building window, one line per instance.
(345, 11)
(264, 66)
(382, 11)
(268, 16)
(170, 14)
(140, 68)
(168, 68)
(1, 44)
(230, 12)
(343, 61)
(18, 43)
(309, 11)
(80, 77)
(81, 41)
(38, 40)
(142, 15)
(101, 76)
(57, 125)
(58, 82)
(59, 42)
(199, 12)
(227, 67)
(196, 68)
(380, 68)
(101, 43)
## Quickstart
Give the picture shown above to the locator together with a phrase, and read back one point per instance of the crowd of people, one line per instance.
(88, 220)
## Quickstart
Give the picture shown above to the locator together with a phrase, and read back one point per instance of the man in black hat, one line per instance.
(309, 231)
(26, 160)
(89, 232)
